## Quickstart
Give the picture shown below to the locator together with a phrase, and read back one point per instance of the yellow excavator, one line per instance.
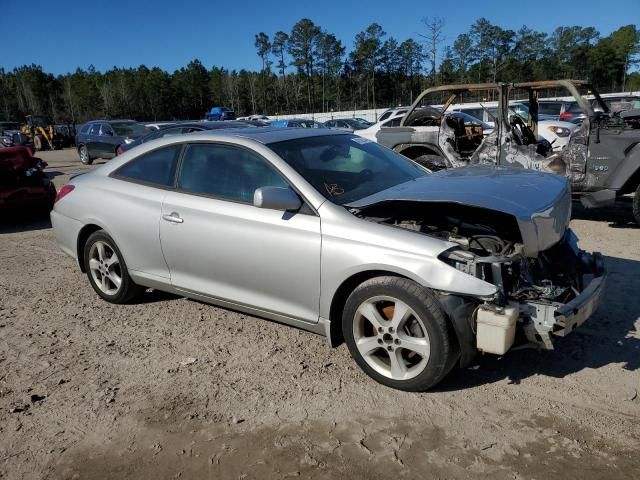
(40, 130)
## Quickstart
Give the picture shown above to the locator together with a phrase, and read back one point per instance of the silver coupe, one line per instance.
(340, 236)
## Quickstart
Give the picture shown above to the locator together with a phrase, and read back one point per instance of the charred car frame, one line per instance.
(601, 159)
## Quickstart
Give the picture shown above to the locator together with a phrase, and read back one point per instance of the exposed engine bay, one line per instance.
(490, 247)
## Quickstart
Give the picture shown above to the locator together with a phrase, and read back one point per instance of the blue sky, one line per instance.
(69, 34)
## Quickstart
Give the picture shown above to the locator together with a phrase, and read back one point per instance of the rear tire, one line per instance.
(85, 158)
(37, 143)
(107, 270)
(636, 206)
(397, 333)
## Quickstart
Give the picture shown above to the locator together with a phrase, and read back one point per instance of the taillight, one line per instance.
(119, 150)
(564, 116)
(63, 192)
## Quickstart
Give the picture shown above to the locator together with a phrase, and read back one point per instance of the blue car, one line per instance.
(296, 123)
(220, 113)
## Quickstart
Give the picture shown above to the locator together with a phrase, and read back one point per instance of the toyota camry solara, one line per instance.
(340, 236)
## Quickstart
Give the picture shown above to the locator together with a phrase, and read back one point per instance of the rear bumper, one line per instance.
(545, 321)
(28, 196)
(66, 230)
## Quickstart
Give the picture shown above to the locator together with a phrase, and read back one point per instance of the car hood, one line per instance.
(540, 202)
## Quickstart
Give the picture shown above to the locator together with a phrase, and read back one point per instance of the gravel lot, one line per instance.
(173, 388)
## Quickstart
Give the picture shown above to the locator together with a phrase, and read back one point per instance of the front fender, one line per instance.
(342, 261)
(627, 168)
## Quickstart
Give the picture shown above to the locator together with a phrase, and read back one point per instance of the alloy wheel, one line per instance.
(391, 337)
(105, 268)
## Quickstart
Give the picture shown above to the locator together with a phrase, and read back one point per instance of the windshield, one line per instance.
(128, 129)
(345, 168)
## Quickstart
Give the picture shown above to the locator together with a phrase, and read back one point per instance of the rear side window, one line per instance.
(157, 167)
(95, 129)
(106, 129)
(85, 128)
(549, 108)
(225, 171)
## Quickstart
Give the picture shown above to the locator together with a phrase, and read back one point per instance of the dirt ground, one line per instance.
(172, 388)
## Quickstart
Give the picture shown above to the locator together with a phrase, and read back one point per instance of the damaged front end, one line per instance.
(552, 293)
(545, 285)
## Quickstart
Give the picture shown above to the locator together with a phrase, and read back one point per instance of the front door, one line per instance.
(216, 243)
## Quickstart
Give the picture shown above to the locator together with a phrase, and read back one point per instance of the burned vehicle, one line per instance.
(601, 159)
(24, 187)
(440, 139)
(333, 233)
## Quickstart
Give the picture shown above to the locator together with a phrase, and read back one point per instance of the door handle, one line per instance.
(173, 217)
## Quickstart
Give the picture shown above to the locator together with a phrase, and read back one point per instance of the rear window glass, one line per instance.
(574, 108)
(549, 108)
(128, 129)
(85, 128)
(157, 167)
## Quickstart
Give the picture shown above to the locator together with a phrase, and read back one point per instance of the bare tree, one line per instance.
(434, 36)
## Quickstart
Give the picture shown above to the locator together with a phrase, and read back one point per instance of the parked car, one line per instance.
(601, 159)
(364, 122)
(24, 187)
(391, 120)
(220, 113)
(619, 103)
(392, 112)
(296, 123)
(11, 135)
(346, 124)
(149, 127)
(8, 126)
(334, 234)
(573, 114)
(179, 129)
(553, 109)
(101, 138)
(262, 118)
(615, 104)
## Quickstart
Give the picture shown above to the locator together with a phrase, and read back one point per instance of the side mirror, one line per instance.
(276, 198)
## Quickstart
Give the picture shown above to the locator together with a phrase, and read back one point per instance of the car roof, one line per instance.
(124, 120)
(267, 135)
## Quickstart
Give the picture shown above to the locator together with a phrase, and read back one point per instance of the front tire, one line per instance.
(107, 271)
(85, 158)
(397, 333)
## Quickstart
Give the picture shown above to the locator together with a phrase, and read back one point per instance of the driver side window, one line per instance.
(226, 172)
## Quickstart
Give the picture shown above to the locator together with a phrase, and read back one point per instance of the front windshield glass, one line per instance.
(346, 168)
(128, 129)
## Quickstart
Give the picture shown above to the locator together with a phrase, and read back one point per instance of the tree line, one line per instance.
(308, 69)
